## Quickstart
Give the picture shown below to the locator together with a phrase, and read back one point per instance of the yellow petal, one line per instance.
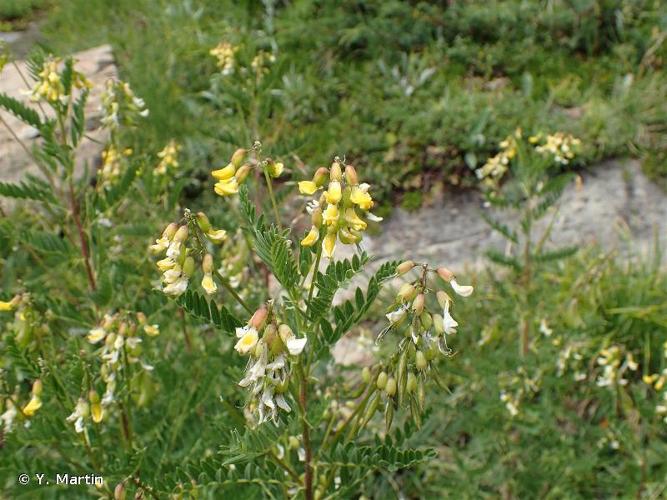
(6, 306)
(217, 235)
(311, 238)
(361, 198)
(97, 412)
(33, 405)
(330, 215)
(208, 284)
(334, 193)
(247, 342)
(329, 244)
(354, 220)
(307, 187)
(227, 187)
(224, 173)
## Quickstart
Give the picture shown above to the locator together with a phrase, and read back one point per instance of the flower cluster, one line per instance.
(119, 337)
(341, 211)
(261, 62)
(269, 346)
(517, 387)
(112, 163)
(179, 264)
(231, 176)
(35, 402)
(403, 377)
(225, 53)
(495, 167)
(562, 147)
(120, 106)
(49, 85)
(615, 363)
(168, 158)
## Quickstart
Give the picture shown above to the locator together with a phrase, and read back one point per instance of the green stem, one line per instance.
(308, 477)
(230, 289)
(357, 410)
(315, 270)
(276, 214)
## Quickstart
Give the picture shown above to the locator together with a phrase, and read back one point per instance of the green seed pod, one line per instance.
(370, 409)
(427, 320)
(438, 324)
(411, 385)
(415, 413)
(390, 388)
(189, 266)
(432, 352)
(420, 361)
(203, 222)
(401, 375)
(382, 380)
(388, 415)
(421, 392)
(366, 375)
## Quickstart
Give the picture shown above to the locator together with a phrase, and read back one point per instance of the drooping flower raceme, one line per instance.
(342, 210)
(270, 348)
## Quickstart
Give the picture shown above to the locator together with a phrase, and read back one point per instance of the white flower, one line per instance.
(282, 403)
(166, 264)
(8, 416)
(247, 341)
(160, 245)
(174, 249)
(374, 218)
(176, 288)
(171, 275)
(80, 412)
(449, 322)
(208, 284)
(96, 334)
(397, 315)
(462, 290)
(544, 328)
(256, 371)
(311, 206)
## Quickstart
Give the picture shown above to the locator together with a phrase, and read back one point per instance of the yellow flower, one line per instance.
(217, 235)
(361, 198)
(224, 173)
(97, 412)
(152, 330)
(354, 220)
(334, 193)
(33, 405)
(208, 284)
(96, 334)
(307, 187)
(311, 238)
(330, 215)
(9, 306)
(247, 342)
(227, 187)
(329, 244)
(276, 169)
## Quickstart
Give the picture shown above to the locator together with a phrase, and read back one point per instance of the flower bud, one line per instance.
(93, 397)
(203, 222)
(366, 375)
(119, 492)
(334, 193)
(336, 173)
(438, 324)
(390, 388)
(418, 304)
(238, 157)
(285, 333)
(275, 169)
(407, 292)
(404, 267)
(258, 318)
(189, 266)
(426, 320)
(320, 177)
(181, 234)
(445, 274)
(316, 217)
(420, 361)
(170, 231)
(443, 298)
(351, 175)
(207, 264)
(382, 380)
(37, 387)
(292, 442)
(242, 173)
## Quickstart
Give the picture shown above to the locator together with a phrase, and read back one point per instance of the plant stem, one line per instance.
(308, 479)
(276, 214)
(284, 466)
(230, 289)
(82, 238)
(356, 412)
(315, 270)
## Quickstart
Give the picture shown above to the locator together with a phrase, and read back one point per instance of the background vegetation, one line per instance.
(418, 94)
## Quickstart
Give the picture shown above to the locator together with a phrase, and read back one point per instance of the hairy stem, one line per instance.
(308, 479)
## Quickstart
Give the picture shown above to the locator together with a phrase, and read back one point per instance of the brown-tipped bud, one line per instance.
(182, 234)
(351, 175)
(93, 397)
(404, 267)
(407, 292)
(238, 157)
(189, 266)
(382, 380)
(170, 231)
(141, 318)
(420, 360)
(316, 217)
(285, 333)
(336, 172)
(203, 222)
(242, 173)
(366, 375)
(445, 274)
(411, 385)
(37, 387)
(321, 176)
(443, 298)
(207, 264)
(390, 388)
(119, 492)
(258, 318)
(418, 304)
